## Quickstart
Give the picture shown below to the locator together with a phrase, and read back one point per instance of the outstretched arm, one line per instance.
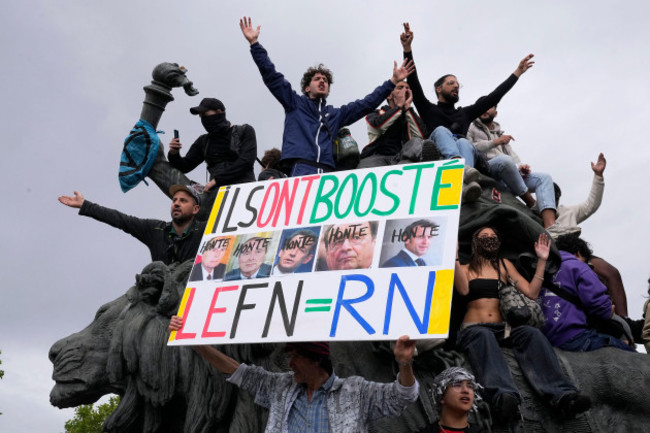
(534, 286)
(251, 34)
(404, 351)
(524, 65)
(74, 202)
(219, 360)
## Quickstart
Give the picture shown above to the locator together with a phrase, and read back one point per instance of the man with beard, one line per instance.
(417, 238)
(448, 125)
(310, 124)
(311, 398)
(504, 165)
(168, 242)
(296, 250)
(228, 150)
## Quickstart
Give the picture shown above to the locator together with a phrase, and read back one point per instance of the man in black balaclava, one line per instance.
(228, 150)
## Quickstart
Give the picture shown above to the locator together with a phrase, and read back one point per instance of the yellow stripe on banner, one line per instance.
(454, 179)
(181, 311)
(441, 302)
(215, 210)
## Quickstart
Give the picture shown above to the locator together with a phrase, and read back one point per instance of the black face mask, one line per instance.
(488, 247)
(216, 123)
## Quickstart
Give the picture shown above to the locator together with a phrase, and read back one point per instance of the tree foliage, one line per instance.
(88, 419)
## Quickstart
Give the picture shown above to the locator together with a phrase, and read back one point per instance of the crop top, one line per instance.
(483, 288)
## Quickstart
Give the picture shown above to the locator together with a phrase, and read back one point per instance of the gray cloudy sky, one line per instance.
(72, 89)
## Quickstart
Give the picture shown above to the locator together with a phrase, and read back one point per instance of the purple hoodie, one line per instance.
(564, 320)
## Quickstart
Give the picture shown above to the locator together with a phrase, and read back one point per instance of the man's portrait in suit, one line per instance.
(212, 252)
(249, 257)
(296, 251)
(409, 244)
(348, 246)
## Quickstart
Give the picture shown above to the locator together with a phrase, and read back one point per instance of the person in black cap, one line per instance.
(311, 398)
(168, 242)
(228, 150)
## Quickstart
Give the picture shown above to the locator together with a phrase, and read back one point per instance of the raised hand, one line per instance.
(542, 246)
(599, 166)
(406, 38)
(403, 71)
(75, 201)
(247, 29)
(524, 65)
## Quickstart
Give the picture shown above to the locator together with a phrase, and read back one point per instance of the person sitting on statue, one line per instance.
(505, 166)
(229, 151)
(310, 124)
(396, 133)
(168, 242)
(311, 398)
(484, 330)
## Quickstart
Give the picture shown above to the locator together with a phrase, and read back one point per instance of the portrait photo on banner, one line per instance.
(413, 242)
(297, 251)
(252, 256)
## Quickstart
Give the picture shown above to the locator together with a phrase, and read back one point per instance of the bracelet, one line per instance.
(539, 278)
(405, 363)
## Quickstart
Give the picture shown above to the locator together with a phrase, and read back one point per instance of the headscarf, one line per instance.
(447, 378)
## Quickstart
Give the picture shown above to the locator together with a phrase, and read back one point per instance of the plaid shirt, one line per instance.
(311, 416)
(347, 405)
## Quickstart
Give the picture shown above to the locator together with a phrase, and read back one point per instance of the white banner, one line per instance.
(355, 255)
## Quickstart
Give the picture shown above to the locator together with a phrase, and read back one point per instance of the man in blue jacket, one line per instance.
(310, 124)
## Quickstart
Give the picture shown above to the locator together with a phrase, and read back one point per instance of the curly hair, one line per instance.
(313, 70)
(575, 245)
(271, 158)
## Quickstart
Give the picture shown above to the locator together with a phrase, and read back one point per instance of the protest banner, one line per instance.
(354, 255)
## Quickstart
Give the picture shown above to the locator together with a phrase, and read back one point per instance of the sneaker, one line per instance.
(556, 230)
(471, 174)
(506, 409)
(430, 152)
(572, 404)
(471, 192)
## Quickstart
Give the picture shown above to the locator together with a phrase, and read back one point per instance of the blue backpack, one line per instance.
(139, 154)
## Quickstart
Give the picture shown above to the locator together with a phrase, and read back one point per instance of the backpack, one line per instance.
(138, 155)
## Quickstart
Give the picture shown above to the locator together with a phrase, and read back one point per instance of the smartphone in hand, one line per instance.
(175, 133)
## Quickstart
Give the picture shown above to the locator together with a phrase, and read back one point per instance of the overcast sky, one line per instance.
(72, 88)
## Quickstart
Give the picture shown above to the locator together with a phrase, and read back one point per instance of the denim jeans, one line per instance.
(590, 339)
(411, 152)
(451, 146)
(504, 169)
(533, 352)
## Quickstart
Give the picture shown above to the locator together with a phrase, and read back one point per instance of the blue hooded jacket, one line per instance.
(305, 136)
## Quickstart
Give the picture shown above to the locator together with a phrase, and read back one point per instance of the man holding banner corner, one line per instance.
(312, 398)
